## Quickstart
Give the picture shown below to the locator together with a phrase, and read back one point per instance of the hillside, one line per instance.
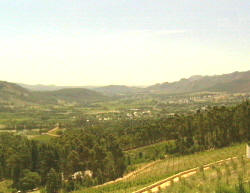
(231, 176)
(12, 93)
(234, 82)
(41, 87)
(165, 168)
(117, 90)
(70, 95)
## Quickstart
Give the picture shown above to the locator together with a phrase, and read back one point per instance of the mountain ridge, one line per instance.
(235, 82)
(195, 83)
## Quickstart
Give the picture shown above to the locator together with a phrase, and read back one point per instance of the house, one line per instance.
(81, 174)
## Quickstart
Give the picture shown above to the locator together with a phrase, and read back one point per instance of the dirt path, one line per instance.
(163, 184)
(53, 135)
(50, 132)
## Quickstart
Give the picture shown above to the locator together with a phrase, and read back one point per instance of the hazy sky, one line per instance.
(133, 42)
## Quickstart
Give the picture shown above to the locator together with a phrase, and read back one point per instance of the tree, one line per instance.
(53, 182)
(30, 181)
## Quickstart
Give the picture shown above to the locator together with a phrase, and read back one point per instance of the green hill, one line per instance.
(69, 95)
(13, 94)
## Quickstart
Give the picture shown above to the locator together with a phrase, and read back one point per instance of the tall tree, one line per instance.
(54, 182)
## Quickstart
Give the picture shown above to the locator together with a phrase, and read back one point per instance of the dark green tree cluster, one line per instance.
(26, 162)
(215, 127)
(82, 150)
(31, 164)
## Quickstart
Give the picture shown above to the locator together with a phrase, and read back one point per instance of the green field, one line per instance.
(42, 138)
(147, 153)
(165, 168)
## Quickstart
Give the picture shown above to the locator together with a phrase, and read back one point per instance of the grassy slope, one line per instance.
(42, 138)
(165, 168)
(226, 175)
(13, 93)
(4, 186)
(70, 95)
(148, 153)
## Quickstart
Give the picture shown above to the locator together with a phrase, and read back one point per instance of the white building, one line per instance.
(82, 174)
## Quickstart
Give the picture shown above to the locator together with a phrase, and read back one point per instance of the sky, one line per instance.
(131, 42)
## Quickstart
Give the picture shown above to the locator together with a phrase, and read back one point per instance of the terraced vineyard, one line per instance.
(165, 168)
(230, 177)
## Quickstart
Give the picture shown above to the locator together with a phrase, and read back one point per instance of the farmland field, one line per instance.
(42, 138)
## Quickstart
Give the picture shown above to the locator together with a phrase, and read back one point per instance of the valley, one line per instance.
(127, 138)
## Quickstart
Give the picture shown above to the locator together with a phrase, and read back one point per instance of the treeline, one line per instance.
(31, 164)
(214, 127)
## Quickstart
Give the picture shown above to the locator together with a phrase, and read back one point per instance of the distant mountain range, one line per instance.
(42, 94)
(41, 87)
(118, 90)
(234, 82)
(15, 94)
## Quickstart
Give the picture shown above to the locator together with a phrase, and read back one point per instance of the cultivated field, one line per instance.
(231, 177)
(164, 168)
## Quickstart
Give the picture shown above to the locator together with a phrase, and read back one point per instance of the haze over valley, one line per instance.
(125, 96)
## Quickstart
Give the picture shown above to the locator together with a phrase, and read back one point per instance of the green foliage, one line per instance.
(54, 181)
(29, 181)
(77, 150)
(42, 138)
(147, 153)
(82, 150)
(5, 187)
(98, 145)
